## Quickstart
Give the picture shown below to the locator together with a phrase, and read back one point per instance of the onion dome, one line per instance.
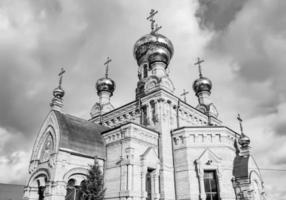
(202, 84)
(58, 93)
(153, 47)
(105, 84)
(244, 141)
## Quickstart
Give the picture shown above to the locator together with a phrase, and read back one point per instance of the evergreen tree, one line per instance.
(93, 187)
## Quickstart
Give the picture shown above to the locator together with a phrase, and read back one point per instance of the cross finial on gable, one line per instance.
(61, 76)
(184, 94)
(199, 61)
(108, 60)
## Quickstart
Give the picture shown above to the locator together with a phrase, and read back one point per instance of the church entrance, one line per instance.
(149, 183)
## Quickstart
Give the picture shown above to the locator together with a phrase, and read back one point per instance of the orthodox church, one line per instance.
(155, 147)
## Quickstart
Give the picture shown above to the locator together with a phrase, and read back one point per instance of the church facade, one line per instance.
(155, 147)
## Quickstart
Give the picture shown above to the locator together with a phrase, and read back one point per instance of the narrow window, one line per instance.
(145, 70)
(149, 184)
(153, 108)
(71, 190)
(41, 191)
(211, 185)
(144, 116)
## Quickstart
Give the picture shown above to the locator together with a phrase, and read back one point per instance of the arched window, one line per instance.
(41, 191)
(71, 190)
(149, 183)
(47, 148)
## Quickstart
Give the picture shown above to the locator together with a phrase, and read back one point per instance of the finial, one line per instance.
(58, 93)
(240, 124)
(154, 27)
(108, 60)
(185, 94)
(61, 76)
(199, 61)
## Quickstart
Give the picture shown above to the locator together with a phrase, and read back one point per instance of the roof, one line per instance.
(81, 135)
(11, 191)
(240, 167)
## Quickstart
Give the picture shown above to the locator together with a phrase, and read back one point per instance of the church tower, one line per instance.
(105, 87)
(153, 53)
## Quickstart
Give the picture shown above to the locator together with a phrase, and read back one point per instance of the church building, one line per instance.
(154, 147)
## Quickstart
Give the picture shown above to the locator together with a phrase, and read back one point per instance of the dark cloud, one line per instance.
(280, 129)
(254, 38)
(218, 14)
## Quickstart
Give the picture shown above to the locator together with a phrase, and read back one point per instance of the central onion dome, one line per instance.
(152, 48)
(202, 84)
(105, 84)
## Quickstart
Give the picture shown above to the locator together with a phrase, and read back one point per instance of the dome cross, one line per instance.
(154, 27)
(108, 60)
(61, 76)
(240, 124)
(199, 61)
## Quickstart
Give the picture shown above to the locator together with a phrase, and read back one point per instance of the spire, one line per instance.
(58, 93)
(199, 61)
(154, 26)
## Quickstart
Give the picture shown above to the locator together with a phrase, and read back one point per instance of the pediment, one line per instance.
(150, 158)
(208, 156)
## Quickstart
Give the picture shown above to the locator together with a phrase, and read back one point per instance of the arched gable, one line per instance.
(46, 143)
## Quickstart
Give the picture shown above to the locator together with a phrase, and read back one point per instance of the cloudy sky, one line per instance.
(243, 43)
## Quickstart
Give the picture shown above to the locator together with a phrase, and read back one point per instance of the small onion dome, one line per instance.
(202, 84)
(153, 47)
(58, 92)
(105, 84)
(244, 140)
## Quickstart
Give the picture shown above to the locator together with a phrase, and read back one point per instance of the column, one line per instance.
(143, 183)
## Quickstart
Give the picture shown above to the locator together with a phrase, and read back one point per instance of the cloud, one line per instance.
(14, 167)
(218, 14)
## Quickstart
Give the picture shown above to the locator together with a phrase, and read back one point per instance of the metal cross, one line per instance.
(199, 61)
(240, 123)
(61, 76)
(185, 94)
(154, 27)
(108, 60)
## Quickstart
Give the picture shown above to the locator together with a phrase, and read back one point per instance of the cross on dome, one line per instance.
(108, 60)
(199, 61)
(61, 76)
(240, 123)
(154, 27)
(184, 94)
